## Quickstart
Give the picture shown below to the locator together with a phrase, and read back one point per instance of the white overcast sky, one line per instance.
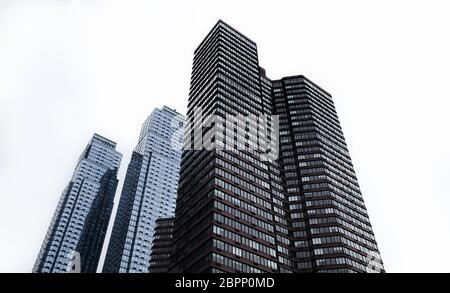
(70, 68)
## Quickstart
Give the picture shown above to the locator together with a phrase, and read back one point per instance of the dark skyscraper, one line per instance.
(329, 223)
(79, 225)
(244, 206)
(162, 245)
(148, 193)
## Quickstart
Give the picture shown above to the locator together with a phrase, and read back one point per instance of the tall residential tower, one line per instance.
(266, 180)
(79, 224)
(148, 193)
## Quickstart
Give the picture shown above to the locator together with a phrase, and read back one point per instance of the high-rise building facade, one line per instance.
(329, 223)
(224, 197)
(148, 193)
(162, 246)
(243, 206)
(79, 224)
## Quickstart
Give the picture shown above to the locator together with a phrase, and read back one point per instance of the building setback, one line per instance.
(77, 231)
(244, 207)
(148, 193)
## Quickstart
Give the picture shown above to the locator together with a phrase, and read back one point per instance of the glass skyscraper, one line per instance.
(79, 224)
(276, 192)
(149, 192)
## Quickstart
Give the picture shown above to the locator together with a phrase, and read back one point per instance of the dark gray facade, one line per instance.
(329, 224)
(79, 225)
(243, 206)
(162, 246)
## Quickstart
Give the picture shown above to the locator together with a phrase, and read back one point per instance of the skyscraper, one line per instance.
(148, 193)
(329, 222)
(162, 246)
(79, 224)
(244, 207)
